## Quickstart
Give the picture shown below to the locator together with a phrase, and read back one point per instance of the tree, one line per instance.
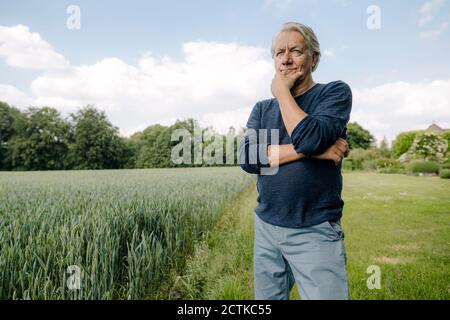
(230, 146)
(12, 122)
(6, 132)
(384, 148)
(162, 148)
(145, 153)
(6, 122)
(132, 148)
(96, 142)
(41, 140)
(358, 137)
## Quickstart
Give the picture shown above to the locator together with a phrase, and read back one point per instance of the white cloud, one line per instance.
(424, 20)
(25, 49)
(427, 14)
(213, 78)
(217, 84)
(395, 107)
(428, 10)
(435, 32)
(14, 96)
(222, 121)
(329, 53)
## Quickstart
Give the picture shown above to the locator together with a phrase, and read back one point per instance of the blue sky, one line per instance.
(411, 46)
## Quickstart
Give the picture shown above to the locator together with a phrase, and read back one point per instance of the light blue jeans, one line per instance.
(312, 257)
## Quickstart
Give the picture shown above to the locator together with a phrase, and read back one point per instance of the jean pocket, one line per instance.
(336, 228)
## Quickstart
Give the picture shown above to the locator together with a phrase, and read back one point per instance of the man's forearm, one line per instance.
(283, 153)
(291, 113)
(287, 153)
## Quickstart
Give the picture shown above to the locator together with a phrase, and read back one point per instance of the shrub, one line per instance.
(424, 167)
(446, 135)
(358, 156)
(444, 173)
(365, 154)
(427, 146)
(398, 169)
(348, 164)
(403, 142)
(386, 163)
(430, 146)
(369, 165)
(446, 165)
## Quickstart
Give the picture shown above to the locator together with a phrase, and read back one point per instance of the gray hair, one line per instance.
(307, 33)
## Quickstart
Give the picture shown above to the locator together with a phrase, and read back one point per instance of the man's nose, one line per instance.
(286, 58)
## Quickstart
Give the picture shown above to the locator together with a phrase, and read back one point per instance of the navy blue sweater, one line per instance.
(308, 191)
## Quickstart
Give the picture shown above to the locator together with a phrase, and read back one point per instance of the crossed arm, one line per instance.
(293, 116)
(317, 135)
(277, 155)
(286, 153)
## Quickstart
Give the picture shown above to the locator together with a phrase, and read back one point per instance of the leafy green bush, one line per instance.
(430, 146)
(446, 136)
(369, 165)
(367, 159)
(397, 169)
(445, 165)
(347, 164)
(403, 142)
(386, 163)
(358, 156)
(444, 173)
(420, 166)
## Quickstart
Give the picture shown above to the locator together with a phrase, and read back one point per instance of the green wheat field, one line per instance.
(188, 234)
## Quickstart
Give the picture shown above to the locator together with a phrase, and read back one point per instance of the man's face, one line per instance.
(291, 54)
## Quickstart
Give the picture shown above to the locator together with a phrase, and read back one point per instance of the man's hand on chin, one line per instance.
(284, 80)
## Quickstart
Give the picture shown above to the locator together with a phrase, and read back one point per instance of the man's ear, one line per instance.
(314, 60)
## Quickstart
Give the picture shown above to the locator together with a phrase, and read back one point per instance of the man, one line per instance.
(298, 234)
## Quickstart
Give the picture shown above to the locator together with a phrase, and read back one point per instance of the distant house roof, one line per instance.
(435, 127)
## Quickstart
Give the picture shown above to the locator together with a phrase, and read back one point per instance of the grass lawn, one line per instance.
(398, 223)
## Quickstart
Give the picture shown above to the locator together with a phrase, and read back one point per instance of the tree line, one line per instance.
(41, 139)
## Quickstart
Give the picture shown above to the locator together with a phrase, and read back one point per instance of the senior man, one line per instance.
(298, 235)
